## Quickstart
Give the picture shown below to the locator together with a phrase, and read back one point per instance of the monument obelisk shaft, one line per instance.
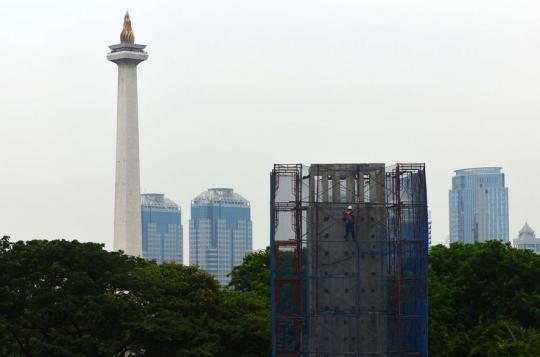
(127, 205)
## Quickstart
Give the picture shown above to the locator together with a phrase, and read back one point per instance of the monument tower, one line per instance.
(127, 205)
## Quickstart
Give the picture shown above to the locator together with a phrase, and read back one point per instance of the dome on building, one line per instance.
(157, 200)
(526, 232)
(220, 195)
(527, 240)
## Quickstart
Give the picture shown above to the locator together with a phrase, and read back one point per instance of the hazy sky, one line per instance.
(232, 87)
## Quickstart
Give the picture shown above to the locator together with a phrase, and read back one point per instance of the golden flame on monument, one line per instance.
(127, 35)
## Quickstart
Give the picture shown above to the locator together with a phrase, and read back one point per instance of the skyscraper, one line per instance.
(127, 208)
(478, 206)
(219, 231)
(161, 229)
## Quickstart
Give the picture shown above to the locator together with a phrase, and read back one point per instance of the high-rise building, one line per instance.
(478, 206)
(219, 231)
(161, 229)
(127, 208)
(527, 240)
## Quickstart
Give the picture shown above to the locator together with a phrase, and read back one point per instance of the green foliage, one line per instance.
(178, 307)
(484, 300)
(246, 324)
(63, 298)
(249, 289)
(253, 274)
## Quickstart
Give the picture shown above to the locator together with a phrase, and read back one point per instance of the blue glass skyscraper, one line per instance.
(161, 229)
(219, 231)
(478, 206)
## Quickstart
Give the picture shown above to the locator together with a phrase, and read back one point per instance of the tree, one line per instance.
(61, 298)
(249, 307)
(484, 300)
(64, 298)
(179, 311)
(246, 327)
(253, 274)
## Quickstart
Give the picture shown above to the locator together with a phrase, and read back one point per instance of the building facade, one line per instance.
(478, 206)
(527, 240)
(161, 229)
(219, 231)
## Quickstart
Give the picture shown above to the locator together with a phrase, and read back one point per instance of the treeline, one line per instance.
(63, 298)
(484, 300)
(60, 298)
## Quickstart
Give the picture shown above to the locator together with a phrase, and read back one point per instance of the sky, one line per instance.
(232, 87)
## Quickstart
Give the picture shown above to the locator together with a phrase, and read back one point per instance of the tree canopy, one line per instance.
(61, 298)
(253, 274)
(484, 300)
(65, 298)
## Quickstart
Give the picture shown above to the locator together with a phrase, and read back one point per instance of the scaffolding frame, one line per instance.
(302, 325)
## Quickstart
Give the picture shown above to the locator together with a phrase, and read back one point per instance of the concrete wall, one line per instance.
(349, 286)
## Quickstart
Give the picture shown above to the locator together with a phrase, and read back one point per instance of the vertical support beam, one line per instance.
(376, 186)
(324, 186)
(313, 180)
(361, 188)
(350, 186)
(336, 186)
(272, 257)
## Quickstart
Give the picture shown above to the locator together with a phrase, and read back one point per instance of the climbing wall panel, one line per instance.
(356, 294)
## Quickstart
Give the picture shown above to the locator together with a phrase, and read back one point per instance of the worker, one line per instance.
(348, 218)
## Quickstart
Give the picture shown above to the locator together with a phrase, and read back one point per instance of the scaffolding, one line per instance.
(359, 294)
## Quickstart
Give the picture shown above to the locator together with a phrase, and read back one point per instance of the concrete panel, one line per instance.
(349, 286)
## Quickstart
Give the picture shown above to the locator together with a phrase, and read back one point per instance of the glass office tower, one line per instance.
(219, 231)
(478, 206)
(161, 229)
